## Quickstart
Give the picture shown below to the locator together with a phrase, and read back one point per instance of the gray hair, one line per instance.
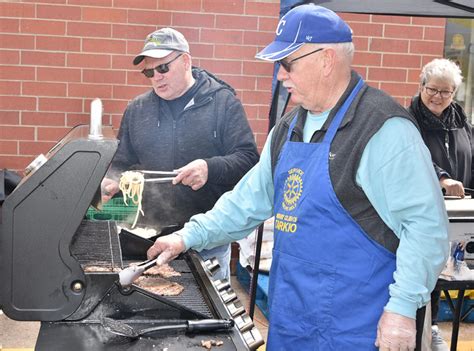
(344, 50)
(443, 69)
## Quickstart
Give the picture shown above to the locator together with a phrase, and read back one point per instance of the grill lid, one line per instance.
(41, 280)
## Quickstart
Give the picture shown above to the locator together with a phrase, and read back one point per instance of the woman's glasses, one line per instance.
(443, 93)
(287, 65)
(162, 68)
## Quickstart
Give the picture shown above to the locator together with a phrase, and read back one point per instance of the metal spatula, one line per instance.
(124, 329)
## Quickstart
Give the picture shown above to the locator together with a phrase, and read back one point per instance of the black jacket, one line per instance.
(449, 141)
(213, 127)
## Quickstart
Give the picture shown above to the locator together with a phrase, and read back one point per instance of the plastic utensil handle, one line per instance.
(131, 273)
(210, 324)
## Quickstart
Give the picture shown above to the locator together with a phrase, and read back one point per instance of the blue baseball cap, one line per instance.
(305, 24)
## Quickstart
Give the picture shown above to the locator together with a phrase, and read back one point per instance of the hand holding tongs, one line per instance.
(128, 275)
(159, 176)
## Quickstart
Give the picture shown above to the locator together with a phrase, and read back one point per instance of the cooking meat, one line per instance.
(206, 344)
(165, 271)
(159, 286)
(97, 268)
(209, 343)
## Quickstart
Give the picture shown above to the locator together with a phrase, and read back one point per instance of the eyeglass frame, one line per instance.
(287, 65)
(162, 68)
(442, 93)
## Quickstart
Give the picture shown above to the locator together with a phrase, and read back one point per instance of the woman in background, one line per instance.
(448, 135)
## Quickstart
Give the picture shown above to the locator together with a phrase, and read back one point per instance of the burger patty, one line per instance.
(159, 286)
(165, 271)
(100, 268)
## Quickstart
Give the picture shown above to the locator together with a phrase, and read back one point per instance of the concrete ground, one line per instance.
(16, 336)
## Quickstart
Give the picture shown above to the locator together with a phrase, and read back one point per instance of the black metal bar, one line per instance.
(256, 267)
(456, 318)
(449, 301)
(461, 286)
(456, 4)
(420, 322)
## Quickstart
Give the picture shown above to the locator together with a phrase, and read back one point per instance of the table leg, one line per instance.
(420, 322)
(456, 320)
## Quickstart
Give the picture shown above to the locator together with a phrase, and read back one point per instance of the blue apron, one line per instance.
(329, 280)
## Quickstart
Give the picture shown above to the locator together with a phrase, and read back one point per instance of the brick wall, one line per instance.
(58, 55)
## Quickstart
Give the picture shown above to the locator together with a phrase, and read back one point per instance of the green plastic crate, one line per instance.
(113, 210)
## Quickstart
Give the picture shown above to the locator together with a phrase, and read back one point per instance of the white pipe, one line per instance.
(95, 131)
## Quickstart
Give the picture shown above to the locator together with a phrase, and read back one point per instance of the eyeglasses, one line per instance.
(287, 65)
(162, 68)
(443, 93)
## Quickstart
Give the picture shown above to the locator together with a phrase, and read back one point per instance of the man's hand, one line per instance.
(194, 174)
(167, 247)
(109, 188)
(452, 187)
(396, 333)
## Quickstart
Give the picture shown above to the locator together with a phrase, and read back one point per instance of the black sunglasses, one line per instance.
(287, 65)
(162, 68)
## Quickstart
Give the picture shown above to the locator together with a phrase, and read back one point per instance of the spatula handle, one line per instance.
(210, 325)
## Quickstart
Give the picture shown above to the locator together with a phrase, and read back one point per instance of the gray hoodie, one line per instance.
(213, 126)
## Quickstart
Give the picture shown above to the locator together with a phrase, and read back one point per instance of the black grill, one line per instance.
(45, 245)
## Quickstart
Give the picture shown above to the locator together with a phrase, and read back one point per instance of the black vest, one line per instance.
(369, 111)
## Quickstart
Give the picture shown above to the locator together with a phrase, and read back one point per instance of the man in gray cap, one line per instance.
(190, 122)
(360, 225)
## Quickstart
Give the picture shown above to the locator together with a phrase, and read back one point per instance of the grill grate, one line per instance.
(192, 297)
(97, 243)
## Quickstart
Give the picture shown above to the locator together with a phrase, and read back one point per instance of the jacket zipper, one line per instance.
(174, 158)
(446, 142)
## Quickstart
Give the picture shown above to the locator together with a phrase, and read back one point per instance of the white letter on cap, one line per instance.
(278, 30)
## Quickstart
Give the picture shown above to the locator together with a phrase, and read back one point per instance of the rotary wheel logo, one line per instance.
(293, 189)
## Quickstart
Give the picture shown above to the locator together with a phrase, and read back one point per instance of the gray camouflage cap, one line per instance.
(161, 43)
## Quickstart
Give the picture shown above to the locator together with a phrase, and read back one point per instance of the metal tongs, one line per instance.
(128, 275)
(159, 176)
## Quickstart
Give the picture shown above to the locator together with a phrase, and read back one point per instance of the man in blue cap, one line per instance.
(360, 224)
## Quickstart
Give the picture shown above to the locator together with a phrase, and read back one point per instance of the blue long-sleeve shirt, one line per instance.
(397, 176)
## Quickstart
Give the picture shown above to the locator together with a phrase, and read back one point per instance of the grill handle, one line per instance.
(209, 325)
